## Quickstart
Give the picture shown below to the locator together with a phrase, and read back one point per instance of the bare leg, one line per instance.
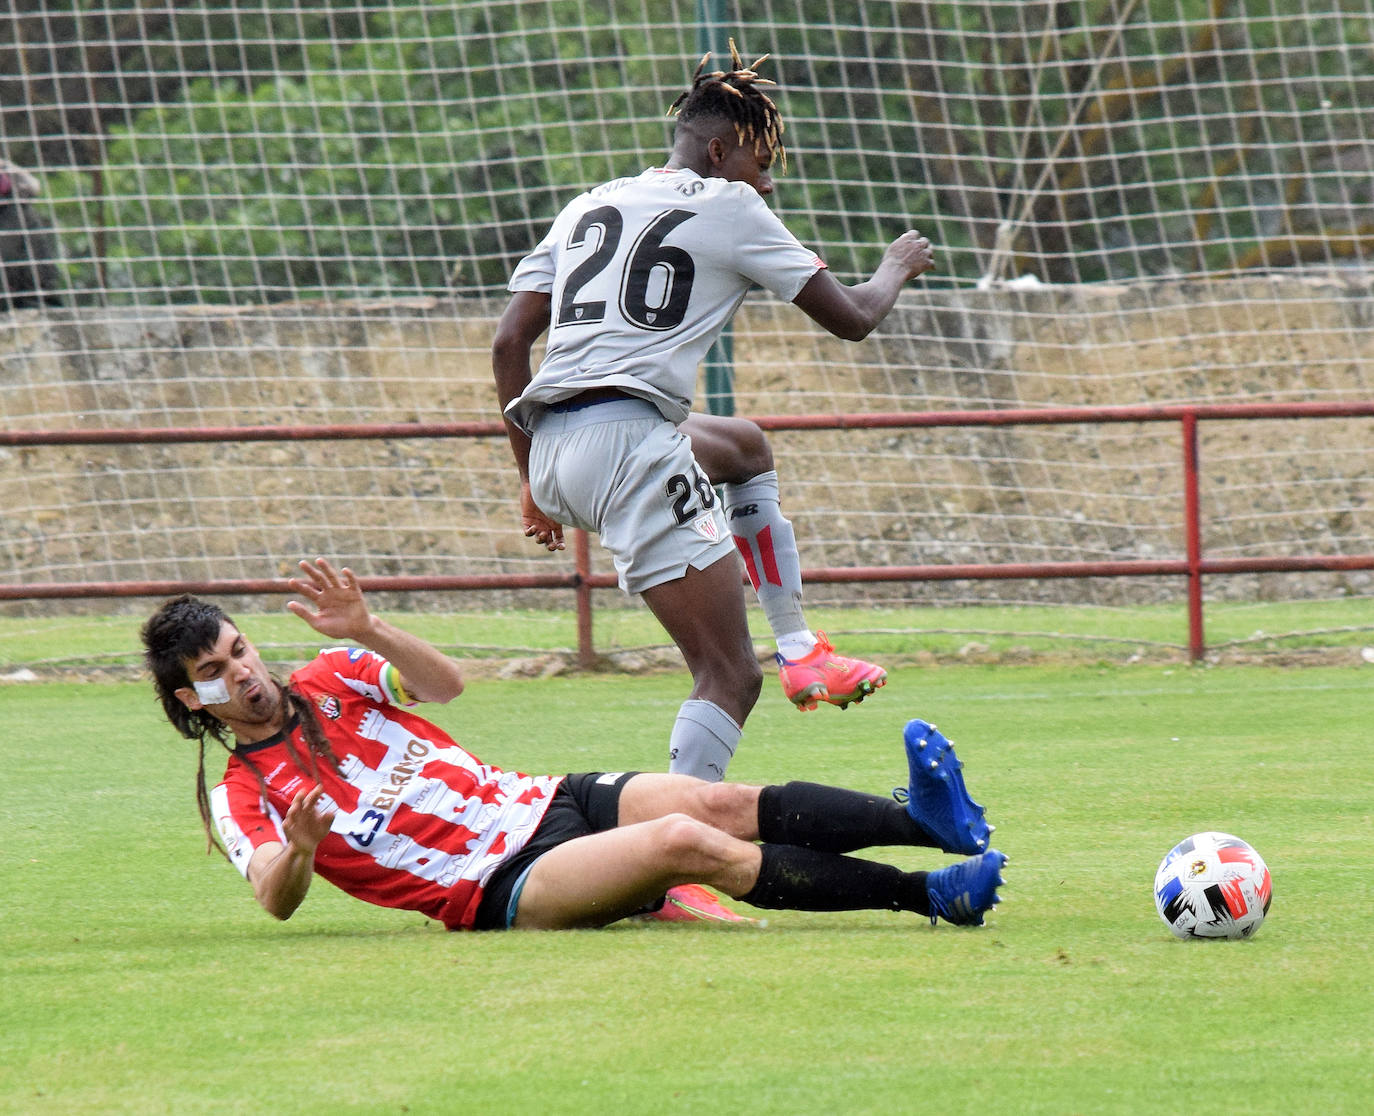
(733, 808)
(703, 611)
(707, 837)
(809, 815)
(598, 879)
(735, 453)
(730, 450)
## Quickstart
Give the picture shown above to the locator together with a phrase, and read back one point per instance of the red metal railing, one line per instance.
(582, 581)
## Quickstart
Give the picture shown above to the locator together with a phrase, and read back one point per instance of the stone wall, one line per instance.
(887, 497)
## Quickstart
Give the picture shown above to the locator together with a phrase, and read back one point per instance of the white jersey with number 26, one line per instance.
(643, 274)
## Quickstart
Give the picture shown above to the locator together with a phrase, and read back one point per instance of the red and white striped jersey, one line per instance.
(421, 823)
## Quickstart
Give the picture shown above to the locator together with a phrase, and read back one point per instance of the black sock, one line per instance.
(832, 819)
(798, 879)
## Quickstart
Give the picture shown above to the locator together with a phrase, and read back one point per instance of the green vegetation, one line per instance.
(282, 153)
(141, 978)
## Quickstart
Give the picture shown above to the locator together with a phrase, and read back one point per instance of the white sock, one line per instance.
(703, 741)
(796, 645)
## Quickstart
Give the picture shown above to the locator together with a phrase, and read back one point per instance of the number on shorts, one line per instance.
(680, 490)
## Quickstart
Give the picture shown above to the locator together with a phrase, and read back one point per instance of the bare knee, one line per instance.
(755, 454)
(751, 683)
(731, 450)
(730, 807)
(745, 682)
(732, 681)
(692, 848)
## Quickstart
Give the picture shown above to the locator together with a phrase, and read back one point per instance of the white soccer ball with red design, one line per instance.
(1212, 885)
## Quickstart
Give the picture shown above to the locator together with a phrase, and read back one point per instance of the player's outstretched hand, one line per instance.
(305, 824)
(340, 611)
(912, 251)
(538, 526)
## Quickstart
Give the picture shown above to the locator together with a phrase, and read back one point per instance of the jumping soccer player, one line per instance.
(634, 281)
(332, 775)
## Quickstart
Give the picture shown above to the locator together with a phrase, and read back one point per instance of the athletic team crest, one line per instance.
(705, 526)
(229, 833)
(329, 705)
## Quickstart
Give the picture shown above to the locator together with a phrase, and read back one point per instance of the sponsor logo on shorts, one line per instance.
(705, 526)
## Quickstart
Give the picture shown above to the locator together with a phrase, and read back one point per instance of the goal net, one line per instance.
(227, 214)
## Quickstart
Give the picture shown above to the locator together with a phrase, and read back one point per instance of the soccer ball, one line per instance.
(1212, 885)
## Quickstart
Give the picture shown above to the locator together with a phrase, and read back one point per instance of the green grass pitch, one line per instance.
(140, 977)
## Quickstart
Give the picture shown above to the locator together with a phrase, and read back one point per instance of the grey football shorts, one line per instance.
(619, 468)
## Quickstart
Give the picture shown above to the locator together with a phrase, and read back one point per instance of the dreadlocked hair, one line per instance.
(734, 95)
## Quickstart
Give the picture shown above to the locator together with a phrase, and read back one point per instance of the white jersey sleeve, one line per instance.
(240, 831)
(643, 274)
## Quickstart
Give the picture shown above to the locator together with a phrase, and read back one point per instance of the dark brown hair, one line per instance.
(176, 633)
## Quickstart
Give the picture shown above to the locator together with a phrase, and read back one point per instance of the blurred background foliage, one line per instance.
(221, 154)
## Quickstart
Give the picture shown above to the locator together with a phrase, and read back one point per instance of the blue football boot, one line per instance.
(936, 798)
(962, 893)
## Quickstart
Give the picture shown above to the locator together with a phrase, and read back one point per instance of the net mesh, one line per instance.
(238, 213)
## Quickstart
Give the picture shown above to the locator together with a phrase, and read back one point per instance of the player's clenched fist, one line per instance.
(914, 252)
